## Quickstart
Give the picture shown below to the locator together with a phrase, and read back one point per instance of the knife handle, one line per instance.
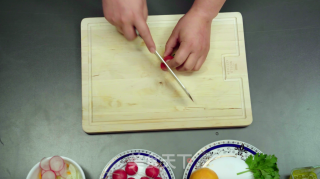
(138, 34)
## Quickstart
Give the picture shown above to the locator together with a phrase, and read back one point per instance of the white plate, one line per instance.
(34, 172)
(225, 157)
(143, 158)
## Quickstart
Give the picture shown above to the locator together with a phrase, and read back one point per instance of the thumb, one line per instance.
(171, 44)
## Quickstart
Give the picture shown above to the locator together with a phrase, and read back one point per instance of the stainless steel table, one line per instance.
(40, 86)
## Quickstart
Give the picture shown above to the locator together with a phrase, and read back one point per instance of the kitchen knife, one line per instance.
(174, 75)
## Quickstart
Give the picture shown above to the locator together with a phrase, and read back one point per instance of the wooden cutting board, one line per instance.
(124, 89)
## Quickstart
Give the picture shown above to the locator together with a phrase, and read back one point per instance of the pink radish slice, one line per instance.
(152, 171)
(63, 172)
(131, 178)
(44, 163)
(49, 175)
(56, 163)
(131, 168)
(42, 171)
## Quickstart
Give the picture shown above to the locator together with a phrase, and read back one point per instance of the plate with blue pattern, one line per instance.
(225, 157)
(143, 158)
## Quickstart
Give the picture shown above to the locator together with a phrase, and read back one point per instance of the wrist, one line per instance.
(206, 16)
(207, 9)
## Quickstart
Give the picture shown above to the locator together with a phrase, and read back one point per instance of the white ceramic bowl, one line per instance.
(34, 172)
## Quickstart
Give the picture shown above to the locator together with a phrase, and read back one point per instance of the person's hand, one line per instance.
(127, 15)
(192, 34)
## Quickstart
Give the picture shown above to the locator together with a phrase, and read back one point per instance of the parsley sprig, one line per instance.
(262, 166)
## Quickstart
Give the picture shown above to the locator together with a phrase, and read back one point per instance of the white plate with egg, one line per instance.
(225, 157)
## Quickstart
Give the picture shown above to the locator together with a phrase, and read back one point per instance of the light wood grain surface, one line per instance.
(124, 89)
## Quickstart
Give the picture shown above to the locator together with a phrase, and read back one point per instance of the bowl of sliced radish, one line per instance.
(56, 167)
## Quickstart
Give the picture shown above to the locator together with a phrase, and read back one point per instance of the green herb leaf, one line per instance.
(262, 166)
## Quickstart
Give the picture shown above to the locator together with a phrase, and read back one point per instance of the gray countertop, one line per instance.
(40, 86)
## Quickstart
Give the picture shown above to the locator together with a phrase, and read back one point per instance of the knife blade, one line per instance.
(172, 73)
